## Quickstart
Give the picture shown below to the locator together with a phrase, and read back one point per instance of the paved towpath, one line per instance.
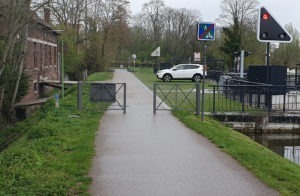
(141, 154)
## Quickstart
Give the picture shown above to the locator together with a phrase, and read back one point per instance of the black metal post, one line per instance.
(176, 97)
(268, 59)
(250, 98)
(154, 98)
(268, 96)
(79, 95)
(203, 83)
(296, 75)
(124, 99)
(269, 99)
(258, 100)
(284, 100)
(197, 98)
(243, 99)
(214, 100)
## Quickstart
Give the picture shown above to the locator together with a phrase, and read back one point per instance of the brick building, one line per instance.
(41, 57)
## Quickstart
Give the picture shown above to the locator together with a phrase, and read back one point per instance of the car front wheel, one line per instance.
(197, 78)
(167, 78)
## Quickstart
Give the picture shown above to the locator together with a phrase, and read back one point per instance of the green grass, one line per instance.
(101, 75)
(274, 170)
(53, 155)
(223, 104)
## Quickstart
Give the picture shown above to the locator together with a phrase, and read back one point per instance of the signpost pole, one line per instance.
(268, 62)
(134, 57)
(268, 71)
(205, 32)
(62, 70)
(242, 64)
(203, 83)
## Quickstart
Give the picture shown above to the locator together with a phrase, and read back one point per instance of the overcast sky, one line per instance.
(284, 11)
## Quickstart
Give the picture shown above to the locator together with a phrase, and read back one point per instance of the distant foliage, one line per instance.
(288, 54)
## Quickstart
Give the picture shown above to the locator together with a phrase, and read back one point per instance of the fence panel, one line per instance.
(178, 96)
(254, 98)
(101, 96)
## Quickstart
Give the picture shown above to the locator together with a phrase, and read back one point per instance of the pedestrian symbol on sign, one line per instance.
(206, 31)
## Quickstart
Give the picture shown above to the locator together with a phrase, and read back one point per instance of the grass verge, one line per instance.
(274, 170)
(53, 155)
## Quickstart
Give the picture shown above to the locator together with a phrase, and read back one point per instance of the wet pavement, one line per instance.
(142, 154)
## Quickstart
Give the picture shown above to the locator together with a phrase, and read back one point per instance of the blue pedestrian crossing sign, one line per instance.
(206, 31)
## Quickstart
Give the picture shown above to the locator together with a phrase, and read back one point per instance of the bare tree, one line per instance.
(68, 12)
(179, 31)
(110, 17)
(242, 10)
(71, 16)
(238, 18)
(15, 16)
(173, 29)
(152, 12)
(288, 53)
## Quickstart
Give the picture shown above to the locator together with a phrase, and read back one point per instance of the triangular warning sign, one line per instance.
(269, 30)
(156, 52)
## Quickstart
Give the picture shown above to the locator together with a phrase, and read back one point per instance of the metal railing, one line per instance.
(246, 98)
(178, 96)
(227, 98)
(101, 96)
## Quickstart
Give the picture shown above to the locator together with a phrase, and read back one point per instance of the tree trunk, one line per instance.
(103, 45)
(19, 73)
(1, 98)
(12, 24)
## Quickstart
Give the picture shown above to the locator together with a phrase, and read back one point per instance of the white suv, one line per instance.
(192, 72)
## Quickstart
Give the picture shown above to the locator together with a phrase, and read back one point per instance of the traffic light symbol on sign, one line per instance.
(269, 30)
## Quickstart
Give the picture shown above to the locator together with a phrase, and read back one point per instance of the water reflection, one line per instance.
(292, 153)
(286, 145)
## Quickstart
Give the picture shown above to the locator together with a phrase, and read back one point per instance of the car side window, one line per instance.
(186, 66)
(191, 67)
(180, 67)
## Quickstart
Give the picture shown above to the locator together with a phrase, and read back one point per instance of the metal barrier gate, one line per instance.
(101, 96)
(178, 96)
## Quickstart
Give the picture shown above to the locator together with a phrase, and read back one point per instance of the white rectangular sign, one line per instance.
(197, 56)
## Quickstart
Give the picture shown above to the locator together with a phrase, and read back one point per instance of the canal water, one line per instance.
(286, 145)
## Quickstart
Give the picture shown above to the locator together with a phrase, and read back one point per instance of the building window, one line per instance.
(41, 61)
(35, 56)
(55, 56)
(35, 86)
(46, 55)
(50, 55)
